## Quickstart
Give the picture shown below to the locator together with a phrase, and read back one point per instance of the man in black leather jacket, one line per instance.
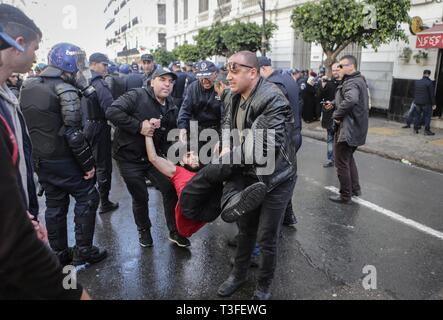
(131, 114)
(259, 105)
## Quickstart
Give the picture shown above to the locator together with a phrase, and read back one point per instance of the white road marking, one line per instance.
(393, 215)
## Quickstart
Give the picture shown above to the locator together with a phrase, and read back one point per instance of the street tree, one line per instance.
(163, 56)
(188, 53)
(335, 24)
(226, 39)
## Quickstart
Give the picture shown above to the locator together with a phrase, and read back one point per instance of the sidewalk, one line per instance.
(389, 140)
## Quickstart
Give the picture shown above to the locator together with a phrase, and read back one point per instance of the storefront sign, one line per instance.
(429, 41)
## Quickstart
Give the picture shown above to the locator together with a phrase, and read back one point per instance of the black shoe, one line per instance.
(244, 202)
(65, 256)
(254, 262)
(88, 255)
(339, 199)
(262, 294)
(182, 242)
(406, 127)
(417, 131)
(145, 239)
(231, 285)
(290, 220)
(356, 193)
(328, 164)
(429, 133)
(108, 206)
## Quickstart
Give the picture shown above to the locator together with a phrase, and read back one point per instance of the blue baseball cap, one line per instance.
(99, 58)
(7, 42)
(205, 69)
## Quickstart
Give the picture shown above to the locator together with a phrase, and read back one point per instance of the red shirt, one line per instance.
(185, 227)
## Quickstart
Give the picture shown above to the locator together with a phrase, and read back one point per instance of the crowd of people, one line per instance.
(69, 119)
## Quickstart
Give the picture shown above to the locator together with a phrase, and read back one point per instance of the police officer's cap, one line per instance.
(264, 62)
(147, 57)
(99, 58)
(205, 69)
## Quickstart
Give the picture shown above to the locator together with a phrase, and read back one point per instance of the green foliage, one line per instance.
(210, 40)
(163, 57)
(226, 39)
(334, 24)
(246, 36)
(188, 53)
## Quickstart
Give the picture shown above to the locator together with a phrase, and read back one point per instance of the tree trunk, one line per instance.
(330, 60)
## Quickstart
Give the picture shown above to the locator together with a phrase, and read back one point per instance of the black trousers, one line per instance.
(98, 134)
(61, 179)
(346, 169)
(201, 198)
(290, 210)
(261, 226)
(135, 176)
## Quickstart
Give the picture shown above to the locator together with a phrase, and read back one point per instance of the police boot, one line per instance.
(88, 255)
(84, 251)
(58, 240)
(65, 257)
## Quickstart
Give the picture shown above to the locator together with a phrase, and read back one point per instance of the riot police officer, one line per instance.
(116, 83)
(201, 103)
(97, 130)
(63, 158)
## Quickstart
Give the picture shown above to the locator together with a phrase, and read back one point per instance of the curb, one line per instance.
(415, 162)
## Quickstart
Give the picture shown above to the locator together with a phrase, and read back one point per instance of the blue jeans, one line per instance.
(330, 141)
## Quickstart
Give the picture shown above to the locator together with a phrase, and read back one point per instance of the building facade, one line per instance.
(134, 27)
(138, 26)
(186, 17)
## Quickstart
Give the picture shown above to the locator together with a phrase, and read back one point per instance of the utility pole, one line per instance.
(264, 40)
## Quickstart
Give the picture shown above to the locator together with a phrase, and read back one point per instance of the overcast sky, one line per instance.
(80, 22)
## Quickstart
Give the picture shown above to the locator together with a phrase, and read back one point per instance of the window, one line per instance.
(162, 40)
(161, 13)
(203, 5)
(185, 9)
(222, 2)
(176, 11)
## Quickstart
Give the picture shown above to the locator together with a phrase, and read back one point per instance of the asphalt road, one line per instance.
(395, 228)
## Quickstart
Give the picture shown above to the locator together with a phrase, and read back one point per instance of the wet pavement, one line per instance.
(322, 259)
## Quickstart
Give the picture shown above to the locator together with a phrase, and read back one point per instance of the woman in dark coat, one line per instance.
(309, 101)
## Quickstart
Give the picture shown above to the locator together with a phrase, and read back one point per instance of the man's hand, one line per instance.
(184, 136)
(40, 230)
(89, 175)
(328, 105)
(157, 123)
(147, 127)
(434, 107)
